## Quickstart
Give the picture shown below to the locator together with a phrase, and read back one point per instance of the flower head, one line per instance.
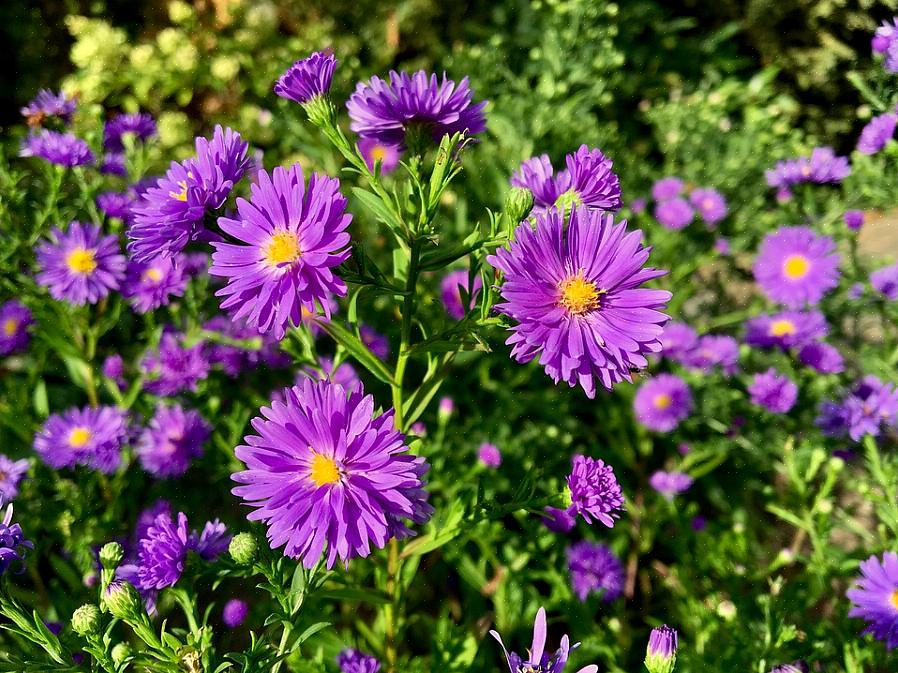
(327, 370)
(558, 520)
(661, 651)
(89, 436)
(173, 438)
(710, 204)
(12, 541)
(595, 493)
(116, 204)
(786, 329)
(354, 661)
(538, 176)
(234, 613)
(884, 36)
(677, 340)
(308, 78)
(594, 568)
(173, 368)
(713, 351)
(796, 266)
(62, 149)
(538, 659)
(662, 402)
(140, 125)
(374, 151)
(821, 357)
(377, 343)
(114, 368)
(823, 166)
(15, 319)
(675, 213)
(854, 219)
(885, 281)
(451, 289)
(774, 392)
(875, 598)
(149, 285)
(670, 484)
(667, 188)
(11, 474)
(489, 455)
(588, 181)
(871, 404)
(877, 132)
(114, 163)
(47, 104)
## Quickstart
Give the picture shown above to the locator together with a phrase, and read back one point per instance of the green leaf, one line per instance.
(355, 594)
(376, 205)
(311, 631)
(443, 528)
(39, 398)
(358, 350)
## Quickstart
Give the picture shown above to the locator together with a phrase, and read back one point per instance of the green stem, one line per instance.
(408, 308)
(390, 608)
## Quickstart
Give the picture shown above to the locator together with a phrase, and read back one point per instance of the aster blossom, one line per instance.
(15, 319)
(92, 436)
(152, 284)
(234, 613)
(588, 181)
(677, 340)
(594, 491)
(875, 597)
(48, 104)
(822, 357)
(710, 204)
(13, 544)
(326, 476)
(786, 329)
(308, 78)
(173, 438)
(11, 474)
(877, 132)
(667, 188)
(538, 659)
(292, 236)
(662, 402)
(885, 281)
(353, 661)
(141, 125)
(661, 651)
(451, 290)
(62, 149)
(884, 36)
(774, 392)
(373, 151)
(580, 309)
(821, 167)
(594, 568)
(796, 266)
(116, 204)
(173, 367)
(712, 352)
(670, 484)
(675, 213)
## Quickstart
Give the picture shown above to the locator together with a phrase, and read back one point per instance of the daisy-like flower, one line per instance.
(48, 104)
(450, 292)
(62, 149)
(114, 163)
(667, 188)
(662, 402)
(152, 284)
(292, 237)
(713, 351)
(172, 368)
(353, 661)
(80, 265)
(796, 267)
(537, 175)
(877, 132)
(15, 319)
(710, 204)
(374, 151)
(308, 78)
(574, 292)
(233, 359)
(388, 110)
(116, 204)
(871, 404)
(787, 329)
(538, 659)
(595, 493)
(11, 474)
(173, 438)
(90, 436)
(675, 213)
(234, 613)
(875, 598)
(595, 569)
(774, 392)
(344, 373)
(821, 357)
(677, 340)
(823, 166)
(141, 125)
(885, 281)
(114, 369)
(13, 544)
(326, 476)
(670, 484)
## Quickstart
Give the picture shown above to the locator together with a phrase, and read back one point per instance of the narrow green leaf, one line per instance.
(358, 350)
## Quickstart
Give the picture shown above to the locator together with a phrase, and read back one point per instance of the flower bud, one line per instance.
(518, 204)
(661, 653)
(111, 555)
(243, 548)
(122, 600)
(120, 652)
(445, 409)
(86, 620)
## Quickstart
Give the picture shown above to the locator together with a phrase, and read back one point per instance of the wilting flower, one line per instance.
(595, 493)
(661, 651)
(854, 219)
(373, 151)
(293, 237)
(774, 392)
(675, 213)
(48, 104)
(11, 473)
(386, 111)
(877, 132)
(558, 520)
(662, 402)
(875, 598)
(575, 294)
(354, 661)
(885, 281)
(710, 204)
(12, 541)
(15, 318)
(308, 78)
(173, 368)
(234, 613)
(670, 484)
(80, 265)
(795, 266)
(141, 125)
(786, 329)
(713, 351)
(62, 149)
(323, 471)
(173, 438)
(667, 188)
(594, 568)
(152, 284)
(489, 455)
(821, 357)
(450, 292)
(89, 436)
(538, 660)
(116, 204)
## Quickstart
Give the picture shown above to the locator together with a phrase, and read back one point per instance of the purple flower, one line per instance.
(12, 541)
(234, 613)
(854, 219)
(677, 340)
(48, 104)
(538, 660)
(775, 393)
(662, 402)
(114, 163)
(884, 36)
(62, 149)
(638, 206)
(172, 368)
(833, 419)
(575, 295)
(537, 175)
(856, 291)
(890, 63)
(710, 204)
(116, 204)
(15, 319)
(377, 343)
(354, 661)
(172, 439)
(588, 181)
(386, 111)
(152, 284)
(675, 213)
(670, 484)
(80, 265)
(666, 189)
(885, 281)
(558, 520)
(89, 436)
(875, 598)
(294, 236)
(877, 132)
(308, 78)
(712, 351)
(795, 667)
(11, 473)
(344, 373)
(821, 357)
(823, 166)
(141, 125)
(871, 404)
(373, 151)
(450, 292)
(212, 541)
(661, 651)
(595, 493)
(722, 246)
(114, 369)
(323, 471)
(594, 568)
(786, 329)
(796, 266)
(489, 455)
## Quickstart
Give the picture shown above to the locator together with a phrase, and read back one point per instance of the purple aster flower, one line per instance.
(162, 551)
(821, 357)
(885, 281)
(173, 438)
(711, 351)
(890, 63)
(322, 471)
(80, 265)
(537, 175)
(139, 124)
(212, 541)
(595, 493)
(219, 164)
(794, 667)
(875, 598)
(11, 474)
(871, 404)
(489, 455)
(386, 111)
(354, 661)
(854, 219)
(662, 402)
(710, 204)
(114, 369)
(195, 263)
(88, 436)
(796, 266)
(786, 329)
(667, 188)
(538, 659)
(558, 520)
(62, 149)
(677, 340)
(15, 319)
(638, 206)
(588, 181)
(722, 246)
(575, 295)
(783, 195)
(698, 523)
(152, 284)
(833, 419)
(114, 163)
(884, 36)
(344, 373)
(594, 569)
(774, 392)
(823, 166)
(172, 368)
(670, 484)
(294, 236)
(661, 651)
(12, 541)
(856, 291)
(877, 132)
(373, 151)
(450, 292)
(48, 104)
(675, 213)
(116, 204)
(377, 343)
(308, 78)
(234, 613)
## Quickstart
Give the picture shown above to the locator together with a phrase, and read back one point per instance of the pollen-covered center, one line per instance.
(780, 328)
(81, 260)
(10, 326)
(662, 401)
(152, 275)
(282, 248)
(180, 195)
(893, 599)
(579, 295)
(324, 470)
(378, 153)
(79, 437)
(796, 267)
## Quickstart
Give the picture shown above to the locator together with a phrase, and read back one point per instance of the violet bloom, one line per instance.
(11, 474)
(234, 613)
(489, 455)
(670, 484)
(558, 520)
(90, 436)
(172, 368)
(574, 293)
(374, 151)
(796, 266)
(13, 544)
(308, 78)
(386, 111)
(171, 441)
(713, 351)
(152, 284)
(871, 404)
(343, 374)
(114, 369)
(884, 36)
(774, 392)
(875, 598)
(856, 291)
(833, 419)
(47, 104)
(722, 246)
(667, 188)
(877, 132)
(595, 492)
(823, 166)
(890, 63)
(786, 329)
(62, 149)
(638, 206)
(710, 204)
(675, 213)
(15, 319)
(661, 651)
(292, 236)
(140, 125)
(537, 175)
(114, 163)
(595, 569)
(354, 661)
(794, 667)
(854, 219)
(80, 265)
(677, 340)
(377, 343)
(885, 281)
(116, 204)
(538, 659)
(212, 541)
(821, 357)
(662, 402)
(323, 472)
(451, 289)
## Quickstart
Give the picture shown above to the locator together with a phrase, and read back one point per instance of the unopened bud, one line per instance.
(111, 555)
(518, 203)
(86, 620)
(122, 600)
(243, 548)
(121, 652)
(661, 652)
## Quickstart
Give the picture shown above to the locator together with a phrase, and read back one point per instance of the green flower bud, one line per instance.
(120, 652)
(661, 652)
(518, 204)
(86, 620)
(243, 548)
(123, 601)
(111, 555)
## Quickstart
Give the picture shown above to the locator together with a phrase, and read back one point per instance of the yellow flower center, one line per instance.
(181, 195)
(324, 470)
(79, 437)
(796, 267)
(893, 599)
(579, 295)
(10, 326)
(152, 275)
(662, 401)
(378, 153)
(81, 260)
(782, 327)
(283, 248)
